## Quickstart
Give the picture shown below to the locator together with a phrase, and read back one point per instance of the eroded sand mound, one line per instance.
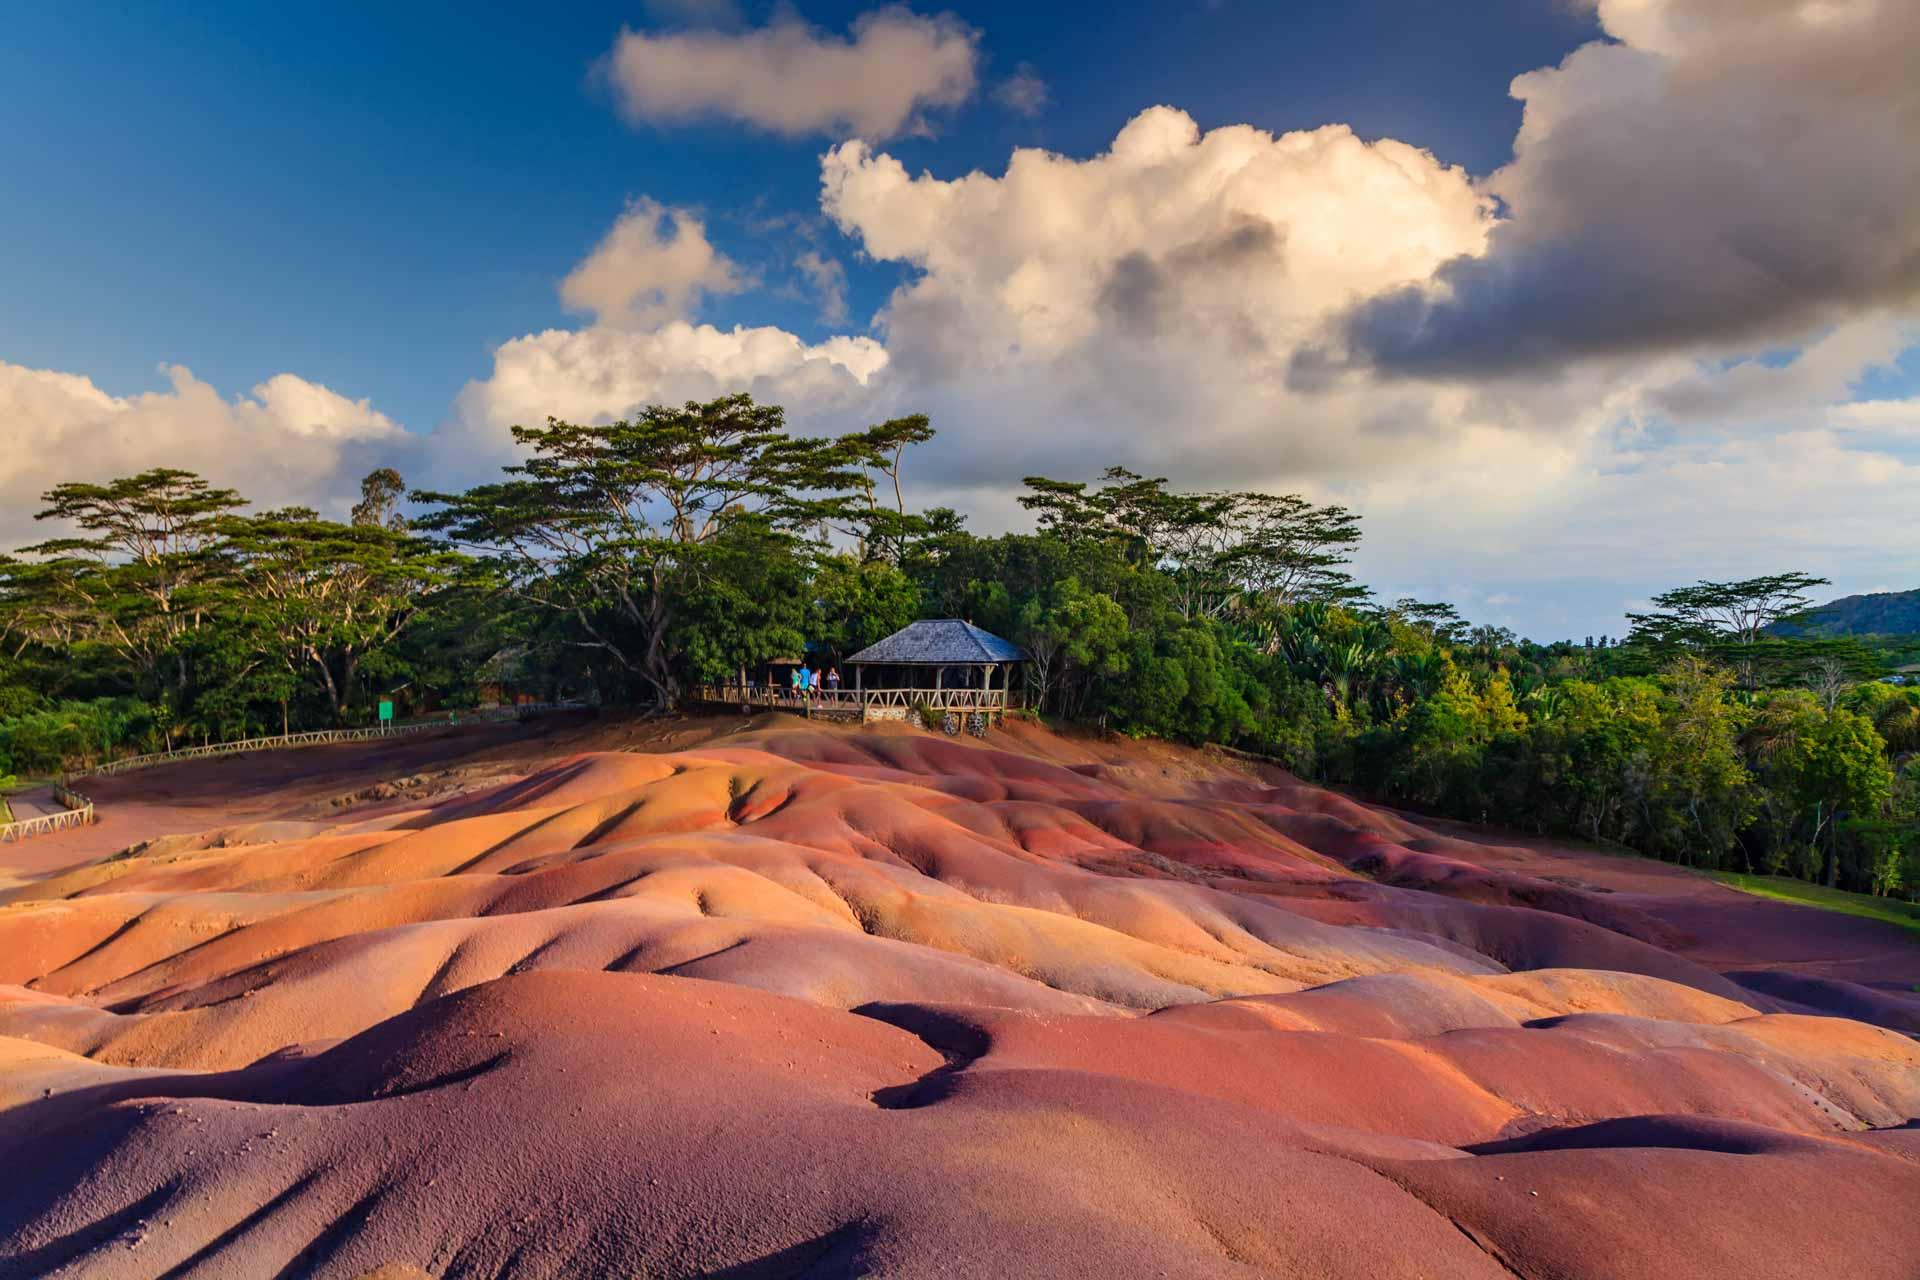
(806, 1002)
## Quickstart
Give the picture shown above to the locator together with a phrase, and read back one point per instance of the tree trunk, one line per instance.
(333, 691)
(1832, 878)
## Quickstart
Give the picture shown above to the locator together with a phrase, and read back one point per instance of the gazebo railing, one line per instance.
(938, 699)
(861, 700)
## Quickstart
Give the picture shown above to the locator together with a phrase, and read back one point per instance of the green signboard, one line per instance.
(386, 711)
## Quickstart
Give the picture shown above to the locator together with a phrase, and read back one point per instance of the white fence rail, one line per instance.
(79, 810)
(321, 737)
(78, 813)
(954, 709)
(315, 738)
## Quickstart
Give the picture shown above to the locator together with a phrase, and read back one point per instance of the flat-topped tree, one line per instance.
(880, 524)
(1225, 552)
(1729, 621)
(325, 595)
(1739, 611)
(609, 529)
(145, 570)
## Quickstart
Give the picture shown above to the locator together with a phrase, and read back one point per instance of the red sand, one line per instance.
(809, 1002)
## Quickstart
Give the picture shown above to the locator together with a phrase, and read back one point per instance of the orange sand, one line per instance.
(799, 1001)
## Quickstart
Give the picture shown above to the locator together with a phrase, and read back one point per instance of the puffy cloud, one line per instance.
(290, 441)
(1143, 305)
(791, 78)
(1024, 93)
(1158, 306)
(643, 347)
(1167, 305)
(829, 279)
(1730, 171)
(1755, 393)
(654, 265)
(600, 373)
(1895, 419)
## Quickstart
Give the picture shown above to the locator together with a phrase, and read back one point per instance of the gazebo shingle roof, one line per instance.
(939, 642)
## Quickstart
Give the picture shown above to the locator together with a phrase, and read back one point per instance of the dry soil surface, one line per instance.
(770, 999)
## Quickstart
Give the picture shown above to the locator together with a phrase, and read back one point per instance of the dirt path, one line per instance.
(35, 802)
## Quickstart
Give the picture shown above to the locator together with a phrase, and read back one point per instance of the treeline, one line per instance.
(628, 562)
(168, 614)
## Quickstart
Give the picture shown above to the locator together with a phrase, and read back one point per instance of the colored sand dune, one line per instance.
(817, 1002)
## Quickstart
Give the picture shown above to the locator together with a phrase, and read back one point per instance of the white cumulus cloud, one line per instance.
(1143, 305)
(1731, 171)
(290, 441)
(654, 265)
(601, 373)
(791, 78)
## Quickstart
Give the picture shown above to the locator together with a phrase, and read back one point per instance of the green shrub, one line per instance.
(73, 735)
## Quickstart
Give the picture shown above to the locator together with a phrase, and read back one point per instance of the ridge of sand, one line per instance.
(772, 998)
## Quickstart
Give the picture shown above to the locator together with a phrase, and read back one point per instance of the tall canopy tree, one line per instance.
(142, 573)
(614, 527)
(879, 523)
(1225, 552)
(1731, 622)
(325, 595)
(379, 504)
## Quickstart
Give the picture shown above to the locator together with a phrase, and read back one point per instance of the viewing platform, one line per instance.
(945, 673)
(861, 706)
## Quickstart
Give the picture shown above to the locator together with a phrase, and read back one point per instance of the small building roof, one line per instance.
(939, 642)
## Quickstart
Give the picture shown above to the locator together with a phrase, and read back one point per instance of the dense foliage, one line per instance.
(169, 615)
(629, 561)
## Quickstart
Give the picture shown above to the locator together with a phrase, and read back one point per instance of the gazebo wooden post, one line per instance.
(859, 695)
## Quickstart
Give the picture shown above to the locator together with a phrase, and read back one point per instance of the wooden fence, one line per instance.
(315, 738)
(322, 737)
(78, 813)
(966, 708)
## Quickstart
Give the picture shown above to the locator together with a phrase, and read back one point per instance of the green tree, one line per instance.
(615, 528)
(379, 505)
(1697, 795)
(325, 596)
(1592, 754)
(1817, 768)
(143, 571)
(1729, 621)
(1072, 637)
(857, 603)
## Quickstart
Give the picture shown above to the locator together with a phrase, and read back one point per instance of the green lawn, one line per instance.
(1782, 889)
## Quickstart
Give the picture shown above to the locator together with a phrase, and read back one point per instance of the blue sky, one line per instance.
(378, 199)
(381, 194)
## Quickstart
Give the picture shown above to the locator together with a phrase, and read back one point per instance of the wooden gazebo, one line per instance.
(941, 665)
(944, 671)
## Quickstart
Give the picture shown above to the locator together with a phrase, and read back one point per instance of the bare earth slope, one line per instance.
(794, 1001)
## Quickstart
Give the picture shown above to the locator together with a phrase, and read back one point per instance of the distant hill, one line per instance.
(1884, 613)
